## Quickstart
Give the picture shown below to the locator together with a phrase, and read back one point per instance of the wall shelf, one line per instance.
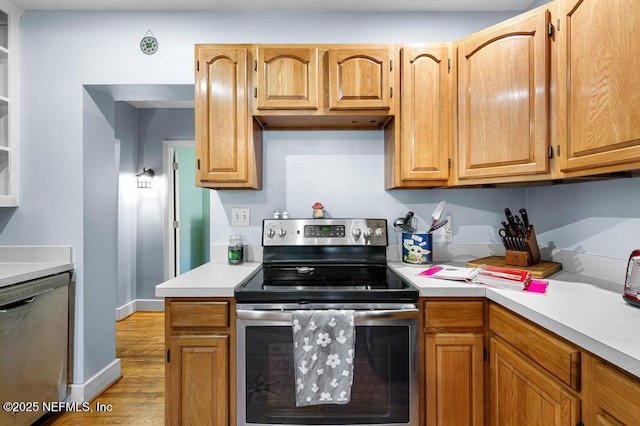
(8, 120)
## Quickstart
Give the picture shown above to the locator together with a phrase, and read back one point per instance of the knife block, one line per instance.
(525, 258)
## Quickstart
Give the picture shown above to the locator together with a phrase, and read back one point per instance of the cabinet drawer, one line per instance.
(440, 314)
(552, 353)
(615, 395)
(199, 314)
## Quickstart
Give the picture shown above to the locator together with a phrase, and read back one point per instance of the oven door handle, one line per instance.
(360, 316)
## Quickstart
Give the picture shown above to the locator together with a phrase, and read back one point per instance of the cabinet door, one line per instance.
(599, 93)
(503, 99)
(199, 380)
(359, 78)
(614, 396)
(425, 115)
(522, 394)
(287, 78)
(225, 154)
(454, 379)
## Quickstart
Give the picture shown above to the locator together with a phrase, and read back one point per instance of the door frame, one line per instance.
(169, 248)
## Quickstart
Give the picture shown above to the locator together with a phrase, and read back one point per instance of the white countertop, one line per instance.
(213, 279)
(24, 263)
(587, 311)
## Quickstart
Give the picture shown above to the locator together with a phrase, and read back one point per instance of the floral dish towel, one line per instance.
(323, 352)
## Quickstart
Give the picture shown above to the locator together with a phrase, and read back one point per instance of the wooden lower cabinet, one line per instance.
(523, 394)
(199, 374)
(532, 376)
(199, 367)
(453, 362)
(454, 378)
(614, 395)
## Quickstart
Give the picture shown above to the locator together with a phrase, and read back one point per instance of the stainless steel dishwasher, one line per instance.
(33, 347)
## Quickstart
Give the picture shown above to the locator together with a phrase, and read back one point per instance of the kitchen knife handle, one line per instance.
(510, 231)
(508, 214)
(525, 218)
(510, 219)
(521, 231)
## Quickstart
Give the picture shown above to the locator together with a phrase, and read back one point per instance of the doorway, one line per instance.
(187, 212)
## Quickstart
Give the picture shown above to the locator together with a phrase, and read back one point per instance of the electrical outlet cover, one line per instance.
(240, 216)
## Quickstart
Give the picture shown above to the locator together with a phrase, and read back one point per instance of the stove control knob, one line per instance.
(367, 232)
(379, 232)
(356, 233)
(282, 232)
(270, 232)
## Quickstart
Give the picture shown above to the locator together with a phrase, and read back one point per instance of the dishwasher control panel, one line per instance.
(28, 289)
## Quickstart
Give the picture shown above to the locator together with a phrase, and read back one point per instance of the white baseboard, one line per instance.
(96, 384)
(139, 305)
(150, 305)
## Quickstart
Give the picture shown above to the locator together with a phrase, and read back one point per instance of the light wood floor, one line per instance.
(138, 397)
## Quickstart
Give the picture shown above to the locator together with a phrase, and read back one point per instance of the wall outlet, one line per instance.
(240, 216)
(446, 232)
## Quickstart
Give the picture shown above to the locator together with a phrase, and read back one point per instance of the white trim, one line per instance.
(139, 305)
(125, 310)
(12, 199)
(167, 197)
(149, 305)
(97, 384)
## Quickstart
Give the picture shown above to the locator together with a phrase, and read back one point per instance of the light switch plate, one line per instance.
(446, 234)
(240, 216)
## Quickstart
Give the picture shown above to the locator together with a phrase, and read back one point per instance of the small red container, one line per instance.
(632, 280)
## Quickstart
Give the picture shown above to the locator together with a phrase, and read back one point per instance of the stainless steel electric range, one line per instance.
(325, 264)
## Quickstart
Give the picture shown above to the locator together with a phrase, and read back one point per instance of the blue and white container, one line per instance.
(417, 249)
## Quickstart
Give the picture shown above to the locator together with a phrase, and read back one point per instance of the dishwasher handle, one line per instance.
(30, 299)
(384, 314)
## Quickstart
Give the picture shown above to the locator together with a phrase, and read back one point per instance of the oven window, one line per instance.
(380, 392)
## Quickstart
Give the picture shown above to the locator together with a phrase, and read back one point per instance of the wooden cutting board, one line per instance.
(541, 269)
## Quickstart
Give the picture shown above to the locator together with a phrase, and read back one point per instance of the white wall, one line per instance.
(602, 218)
(344, 170)
(126, 134)
(61, 52)
(99, 224)
(156, 125)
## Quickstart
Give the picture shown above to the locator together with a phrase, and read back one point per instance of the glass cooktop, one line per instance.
(317, 283)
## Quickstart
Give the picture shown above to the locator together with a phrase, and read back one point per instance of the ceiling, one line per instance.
(368, 5)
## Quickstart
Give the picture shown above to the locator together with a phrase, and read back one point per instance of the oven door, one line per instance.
(385, 383)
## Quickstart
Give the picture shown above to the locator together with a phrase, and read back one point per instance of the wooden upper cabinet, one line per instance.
(359, 78)
(503, 97)
(287, 78)
(599, 95)
(228, 146)
(425, 114)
